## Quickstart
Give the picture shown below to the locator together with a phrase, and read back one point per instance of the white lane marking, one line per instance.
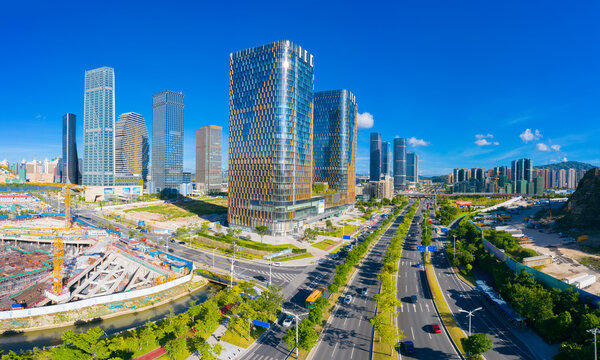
(335, 347)
(412, 332)
(427, 306)
(352, 354)
(415, 307)
(421, 306)
(406, 287)
(427, 333)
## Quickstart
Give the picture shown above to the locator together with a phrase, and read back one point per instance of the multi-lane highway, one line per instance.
(415, 319)
(349, 331)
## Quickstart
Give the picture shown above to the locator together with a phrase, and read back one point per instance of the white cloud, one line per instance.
(482, 141)
(413, 141)
(365, 121)
(528, 136)
(555, 147)
(481, 136)
(542, 147)
(564, 159)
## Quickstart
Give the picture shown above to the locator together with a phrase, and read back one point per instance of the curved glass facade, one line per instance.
(270, 135)
(334, 137)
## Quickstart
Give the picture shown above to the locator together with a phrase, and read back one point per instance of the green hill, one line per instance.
(566, 165)
(583, 208)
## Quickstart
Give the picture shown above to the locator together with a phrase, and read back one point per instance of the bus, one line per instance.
(314, 296)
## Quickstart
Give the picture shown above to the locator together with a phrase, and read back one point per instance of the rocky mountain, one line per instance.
(566, 165)
(583, 208)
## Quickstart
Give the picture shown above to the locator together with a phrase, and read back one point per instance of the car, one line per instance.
(288, 321)
(182, 242)
(364, 291)
(436, 328)
(172, 240)
(276, 264)
(413, 299)
(408, 347)
(170, 250)
(418, 265)
(347, 299)
(260, 278)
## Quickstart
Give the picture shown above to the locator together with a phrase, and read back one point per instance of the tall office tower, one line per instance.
(98, 127)
(412, 167)
(167, 141)
(131, 147)
(270, 137)
(399, 163)
(571, 178)
(209, 171)
(461, 175)
(538, 182)
(386, 159)
(70, 170)
(334, 142)
(522, 169)
(375, 159)
(478, 174)
(562, 179)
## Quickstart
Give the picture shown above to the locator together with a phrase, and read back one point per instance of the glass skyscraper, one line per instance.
(375, 157)
(270, 136)
(399, 163)
(167, 141)
(209, 170)
(131, 147)
(386, 159)
(98, 127)
(70, 170)
(334, 141)
(412, 167)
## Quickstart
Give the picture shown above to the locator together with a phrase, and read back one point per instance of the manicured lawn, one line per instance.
(324, 244)
(339, 232)
(295, 257)
(195, 207)
(233, 335)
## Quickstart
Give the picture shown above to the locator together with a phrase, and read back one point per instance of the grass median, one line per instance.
(448, 320)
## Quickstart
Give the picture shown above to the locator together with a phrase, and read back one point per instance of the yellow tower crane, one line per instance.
(58, 246)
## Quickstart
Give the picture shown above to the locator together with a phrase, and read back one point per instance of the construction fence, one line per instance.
(129, 295)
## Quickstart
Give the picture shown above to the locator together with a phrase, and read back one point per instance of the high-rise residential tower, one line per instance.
(131, 148)
(399, 163)
(522, 169)
(386, 159)
(375, 157)
(98, 127)
(334, 142)
(270, 136)
(167, 141)
(209, 171)
(412, 167)
(571, 178)
(70, 170)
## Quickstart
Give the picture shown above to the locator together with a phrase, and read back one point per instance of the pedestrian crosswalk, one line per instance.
(259, 357)
(288, 277)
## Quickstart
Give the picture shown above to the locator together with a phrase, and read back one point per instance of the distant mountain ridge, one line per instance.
(577, 165)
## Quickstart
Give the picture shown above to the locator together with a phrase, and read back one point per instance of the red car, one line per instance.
(436, 328)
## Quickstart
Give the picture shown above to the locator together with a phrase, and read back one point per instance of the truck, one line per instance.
(582, 238)
(585, 281)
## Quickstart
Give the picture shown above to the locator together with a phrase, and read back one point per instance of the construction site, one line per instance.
(51, 258)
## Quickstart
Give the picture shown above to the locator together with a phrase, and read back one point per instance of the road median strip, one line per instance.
(448, 321)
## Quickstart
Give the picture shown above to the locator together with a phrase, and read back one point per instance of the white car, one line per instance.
(276, 264)
(288, 321)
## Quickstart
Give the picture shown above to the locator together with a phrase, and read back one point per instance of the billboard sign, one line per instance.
(421, 248)
(346, 237)
(127, 190)
(432, 248)
(137, 190)
(109, 191)
(321, 207)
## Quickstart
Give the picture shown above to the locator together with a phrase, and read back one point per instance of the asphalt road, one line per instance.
(270, 346)
(348, 334)
(415, 319)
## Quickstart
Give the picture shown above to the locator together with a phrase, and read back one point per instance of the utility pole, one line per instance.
(297, 318)
(594, 331)
(232, 270)
(470, 315)
(270, 265)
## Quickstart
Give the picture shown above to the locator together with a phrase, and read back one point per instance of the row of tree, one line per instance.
(387, 300)
(178, 334)
(427, 230)
(558, 316)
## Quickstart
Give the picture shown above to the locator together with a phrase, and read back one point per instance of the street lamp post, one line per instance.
(594, 331)
(470, 315)
(270, 265)
(297, 318)
(454, 247)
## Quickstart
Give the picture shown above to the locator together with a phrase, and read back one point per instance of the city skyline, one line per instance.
(492, 107)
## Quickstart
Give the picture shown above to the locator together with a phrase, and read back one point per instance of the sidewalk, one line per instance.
(229, 352)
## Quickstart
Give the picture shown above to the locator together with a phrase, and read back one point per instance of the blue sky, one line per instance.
(440, 72)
